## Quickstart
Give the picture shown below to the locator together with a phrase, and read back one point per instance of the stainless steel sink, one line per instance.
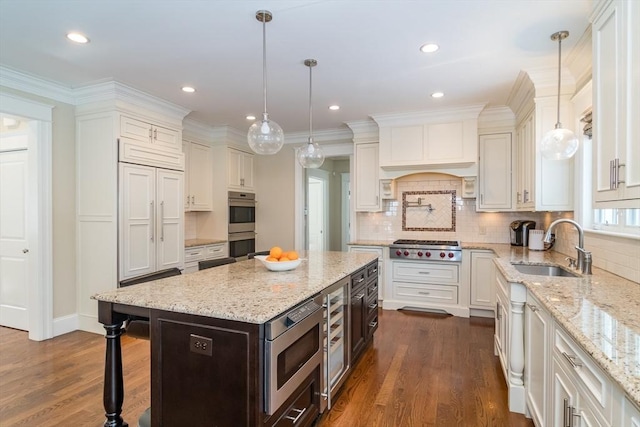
(544, 270)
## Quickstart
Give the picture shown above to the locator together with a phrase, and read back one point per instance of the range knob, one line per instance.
(428, 254)
(450, 254)
(398, 252)
(406, 253)
(419, 253)
(442, 254)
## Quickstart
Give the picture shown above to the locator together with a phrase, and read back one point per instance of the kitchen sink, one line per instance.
(544, 270)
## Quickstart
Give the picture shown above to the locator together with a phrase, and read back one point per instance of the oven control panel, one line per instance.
(426, 254)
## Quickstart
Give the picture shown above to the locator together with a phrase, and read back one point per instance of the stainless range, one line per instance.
(426, 250)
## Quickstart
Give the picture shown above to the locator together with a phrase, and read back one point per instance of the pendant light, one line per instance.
(311, 155)
(559, 143)
(265, 136)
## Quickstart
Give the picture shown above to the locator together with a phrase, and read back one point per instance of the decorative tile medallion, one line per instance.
(429, 210)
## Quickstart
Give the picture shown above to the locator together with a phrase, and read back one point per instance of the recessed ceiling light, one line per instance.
(250, 117)
(429, 47)
(78, 38)
(437, 94)
(188, 89)
(334, 107)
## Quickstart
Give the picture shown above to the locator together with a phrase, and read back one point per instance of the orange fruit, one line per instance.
(292, 255)
(284, 258)
(276, 252)
(272, 259)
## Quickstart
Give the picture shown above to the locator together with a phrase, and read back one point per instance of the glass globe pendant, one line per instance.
(265, 136)
(559, 143)
(310, 155)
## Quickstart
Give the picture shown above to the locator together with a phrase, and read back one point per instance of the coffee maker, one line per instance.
(520, 232)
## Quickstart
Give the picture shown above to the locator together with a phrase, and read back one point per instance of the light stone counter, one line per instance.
(601, 312)
(370, 243)
(244, 291)
(189, 243)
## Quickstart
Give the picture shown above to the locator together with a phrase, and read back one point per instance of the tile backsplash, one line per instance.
(470, 226)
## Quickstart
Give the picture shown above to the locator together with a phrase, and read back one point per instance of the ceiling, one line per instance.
(368, 54)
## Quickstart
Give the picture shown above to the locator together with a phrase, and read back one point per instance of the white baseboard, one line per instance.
(89, 323)
(65, 324)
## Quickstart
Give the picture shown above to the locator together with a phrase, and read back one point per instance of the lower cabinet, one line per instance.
(380, 251)
(364, 308)
(482, 284)
(537, 331)
(301, 410)
(195, 254)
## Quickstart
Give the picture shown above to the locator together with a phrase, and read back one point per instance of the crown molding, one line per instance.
(328, 136)
(364, 131)
(455, 113)
(493, 117)
(24, 82)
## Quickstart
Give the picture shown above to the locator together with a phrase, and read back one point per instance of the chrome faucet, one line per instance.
(584, 257)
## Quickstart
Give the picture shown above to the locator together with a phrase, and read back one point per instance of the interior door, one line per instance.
(14, 256)
(169, 219)
(138, 210)
(316, 213)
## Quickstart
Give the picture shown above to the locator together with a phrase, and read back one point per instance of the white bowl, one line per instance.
(277, 265)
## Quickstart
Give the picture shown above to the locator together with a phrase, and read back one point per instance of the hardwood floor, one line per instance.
(422, 370)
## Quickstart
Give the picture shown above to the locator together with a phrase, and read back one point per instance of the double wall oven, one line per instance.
(242, 223)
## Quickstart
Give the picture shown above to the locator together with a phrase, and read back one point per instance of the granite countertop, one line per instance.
(601, 312)
(244, 291)
(189, 243)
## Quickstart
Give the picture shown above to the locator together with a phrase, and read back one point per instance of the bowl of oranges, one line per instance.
(279, 260)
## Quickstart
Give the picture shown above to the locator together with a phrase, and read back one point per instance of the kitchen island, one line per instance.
(228, 307)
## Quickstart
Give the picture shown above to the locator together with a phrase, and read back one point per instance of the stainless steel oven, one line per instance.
(292, 351)
(242, 212)
(241, 244)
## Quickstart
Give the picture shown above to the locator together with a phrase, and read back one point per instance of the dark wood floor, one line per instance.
(422, 370)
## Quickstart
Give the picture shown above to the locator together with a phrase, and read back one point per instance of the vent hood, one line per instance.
(443, 141)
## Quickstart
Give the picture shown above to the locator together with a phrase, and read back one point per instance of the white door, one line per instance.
(316, 216)
(345, 197)
(14, 256)
(170, 223)
(138, 208)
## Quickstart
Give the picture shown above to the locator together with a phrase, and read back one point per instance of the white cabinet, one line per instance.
(151, 220)
(367, 187)
(194, 254)
(525, 164)
(150, 133)
(538, 326)
(616, 103)
(198, 177)
(239, 170)
(483, 279)
(501, 335)
(630, 414)
(494, 172)
(379, 251)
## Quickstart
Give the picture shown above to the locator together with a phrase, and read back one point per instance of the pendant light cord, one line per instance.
(558, 124)
(310, 105)
(264, 59)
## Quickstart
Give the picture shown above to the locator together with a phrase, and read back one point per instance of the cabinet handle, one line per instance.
(526, 196)
(481, 199)
(187, 200)
(155, 134)
(360, 296)
(150, 135)
(617, 165)
(162, 221)
(373, 306)
(193, 200)
(612, 175)
(498, 313)
(566, 422)
(373, 324)
(572, 413)
(297, 417)
(424, 293)
(360, 280)
(572, 360)
(424, 272)
(153, 221)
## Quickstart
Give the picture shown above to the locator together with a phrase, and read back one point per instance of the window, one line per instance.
(617, 220)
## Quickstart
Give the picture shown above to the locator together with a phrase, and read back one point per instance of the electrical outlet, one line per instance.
(201, 345)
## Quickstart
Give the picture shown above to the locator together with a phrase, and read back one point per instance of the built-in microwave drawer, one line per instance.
(426, 272)
(426, 293)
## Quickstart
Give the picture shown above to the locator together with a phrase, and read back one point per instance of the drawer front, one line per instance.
(439, 294)
(590, 377)
(372, 323)
(194, 254)
(358, 278)
(372, 305)
(425, 272)
(215, 251)
(372, 270)
(372, 289)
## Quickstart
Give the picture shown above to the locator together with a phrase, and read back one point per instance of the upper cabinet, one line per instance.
(429, 140)
(494, 172)
(541, 184)
(239, 170)
(616, 103)
(198, 177)
(152, 134)
(366, 178)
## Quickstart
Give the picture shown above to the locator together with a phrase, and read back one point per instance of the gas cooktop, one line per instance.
(426, 250)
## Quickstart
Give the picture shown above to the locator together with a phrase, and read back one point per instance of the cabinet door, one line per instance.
(494, 172)
(138, 208)
(537, 352)
(169, 219)
(247, 171)
(358, 325)
(367, 186)
(135, 129)
(483, 278)
(200, 177)
(502, 328)
(526, 164)
(239, 170)
(564, 396)
(164, 137)
(186, 150)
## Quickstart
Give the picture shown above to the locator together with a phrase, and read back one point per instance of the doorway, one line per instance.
(26, 258)
(318, 203)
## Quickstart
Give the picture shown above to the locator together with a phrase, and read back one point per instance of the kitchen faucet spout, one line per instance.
(584, 257)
